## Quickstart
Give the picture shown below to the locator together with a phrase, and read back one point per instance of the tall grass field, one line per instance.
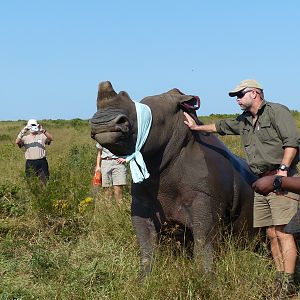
(67, 241)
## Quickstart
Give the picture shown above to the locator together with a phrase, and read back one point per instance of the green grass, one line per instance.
(65, 241)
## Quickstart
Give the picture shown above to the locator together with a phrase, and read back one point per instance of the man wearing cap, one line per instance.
(271, 141)
(35, 152)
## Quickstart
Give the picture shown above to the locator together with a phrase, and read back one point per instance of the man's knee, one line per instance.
(118, 193)
(282, 235)
(271, 232)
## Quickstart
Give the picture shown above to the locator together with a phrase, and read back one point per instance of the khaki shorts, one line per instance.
(113, 173)
(274, 209)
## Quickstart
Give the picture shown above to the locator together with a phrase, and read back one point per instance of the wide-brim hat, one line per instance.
(248, 83)
(32, 122)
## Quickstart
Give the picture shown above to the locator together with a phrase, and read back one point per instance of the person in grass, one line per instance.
(113, 170)
(35, 152)
(270, 140)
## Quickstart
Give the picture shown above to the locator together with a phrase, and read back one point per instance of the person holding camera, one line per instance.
(35, 151)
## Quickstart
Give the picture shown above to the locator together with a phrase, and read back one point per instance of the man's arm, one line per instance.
(288, 157)
(19, 141)
(47, 134)
(291, 184)
(98, 160)
(49, 137)
(285, 126)
(265, 185)
(190, 122)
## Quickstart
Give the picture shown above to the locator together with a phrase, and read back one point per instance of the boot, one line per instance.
(277, 287)
(297, 273)
(297, 267)
(288, 286)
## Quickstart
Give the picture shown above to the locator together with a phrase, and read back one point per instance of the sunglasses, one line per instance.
(241, 94)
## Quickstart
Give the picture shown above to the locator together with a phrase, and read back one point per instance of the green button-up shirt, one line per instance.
(264, 141)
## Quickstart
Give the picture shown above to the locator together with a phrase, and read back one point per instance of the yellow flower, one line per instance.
(84, 204)
(88, 199)
(60, 204)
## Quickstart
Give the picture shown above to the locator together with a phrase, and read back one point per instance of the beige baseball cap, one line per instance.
(247, 83)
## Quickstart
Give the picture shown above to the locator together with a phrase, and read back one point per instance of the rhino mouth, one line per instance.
(118, 124)
(111, 129)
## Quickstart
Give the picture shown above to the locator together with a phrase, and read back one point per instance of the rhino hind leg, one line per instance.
(147, 239)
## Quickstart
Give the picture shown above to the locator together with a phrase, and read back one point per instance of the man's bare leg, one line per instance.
(275, 249)
(118, 193)
(288, 249)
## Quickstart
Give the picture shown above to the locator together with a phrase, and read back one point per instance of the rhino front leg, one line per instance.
(203, 231)
(147, 237)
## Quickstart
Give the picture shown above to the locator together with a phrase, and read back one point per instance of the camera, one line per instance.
(34, 128)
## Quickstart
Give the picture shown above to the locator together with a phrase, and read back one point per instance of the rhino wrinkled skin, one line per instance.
(195, 181)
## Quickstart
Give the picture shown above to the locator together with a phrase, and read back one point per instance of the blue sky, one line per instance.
(54, 53)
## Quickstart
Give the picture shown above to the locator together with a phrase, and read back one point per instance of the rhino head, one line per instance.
(114, 124)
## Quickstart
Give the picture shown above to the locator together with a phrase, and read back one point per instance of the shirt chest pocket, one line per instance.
(245, 136)
(265, 131)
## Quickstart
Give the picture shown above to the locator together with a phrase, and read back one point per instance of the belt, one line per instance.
(37, 159)
(108, 158)
(293, 170)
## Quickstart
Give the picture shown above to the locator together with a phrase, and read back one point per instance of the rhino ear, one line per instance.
(186, 101)
(189, 102)
(124, 94)
(105, 92)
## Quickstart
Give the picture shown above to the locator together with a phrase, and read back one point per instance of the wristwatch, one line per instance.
(283, 167)
(277, 183)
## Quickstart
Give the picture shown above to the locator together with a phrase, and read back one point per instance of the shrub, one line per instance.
(11, 204)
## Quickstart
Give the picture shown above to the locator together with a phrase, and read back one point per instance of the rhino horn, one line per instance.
(105, 92)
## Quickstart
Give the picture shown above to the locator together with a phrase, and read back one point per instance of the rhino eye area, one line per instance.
(122, 124)
(122, 120)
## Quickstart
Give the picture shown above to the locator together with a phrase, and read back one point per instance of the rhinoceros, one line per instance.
(195, 181)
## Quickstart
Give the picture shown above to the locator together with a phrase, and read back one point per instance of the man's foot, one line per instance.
(288, 291)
